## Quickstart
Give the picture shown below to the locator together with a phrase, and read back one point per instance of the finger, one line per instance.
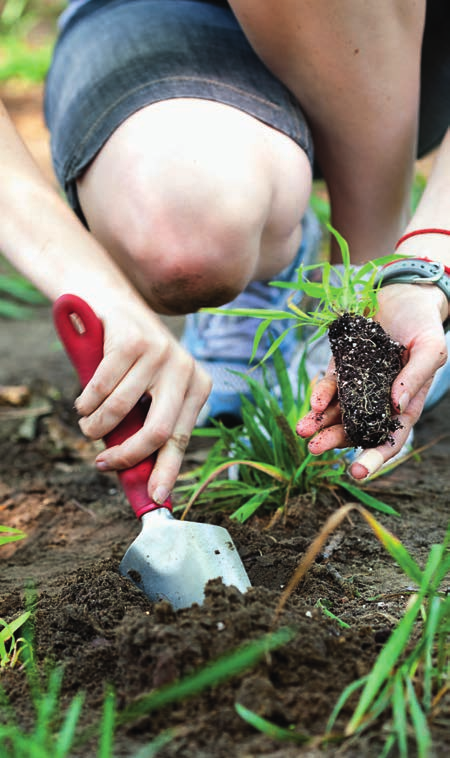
(118, 403)
(323, 393)
(170, 416)
(370, 461)
(328, 439)
(315, 421)
(424, 361)
(171, 454)
(108, 375)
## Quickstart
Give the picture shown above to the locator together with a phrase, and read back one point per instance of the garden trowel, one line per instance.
(170, 559)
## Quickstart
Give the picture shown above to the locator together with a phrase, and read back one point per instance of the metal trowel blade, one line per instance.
(173, 560)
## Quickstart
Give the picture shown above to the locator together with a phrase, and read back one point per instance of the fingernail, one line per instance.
(371, 460)
(403, 402)
(102, 465)
(160, 495)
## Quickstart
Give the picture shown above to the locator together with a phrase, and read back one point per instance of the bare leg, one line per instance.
(194, 199)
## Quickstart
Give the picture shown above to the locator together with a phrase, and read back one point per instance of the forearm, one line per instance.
(355, 68)
(41, 236)
(433, 211)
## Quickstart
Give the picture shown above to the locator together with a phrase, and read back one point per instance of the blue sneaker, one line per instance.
(224, 344)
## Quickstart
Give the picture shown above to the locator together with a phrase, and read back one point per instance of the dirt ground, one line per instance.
(104, 630)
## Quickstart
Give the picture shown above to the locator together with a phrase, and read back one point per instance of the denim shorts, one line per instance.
(114, 57)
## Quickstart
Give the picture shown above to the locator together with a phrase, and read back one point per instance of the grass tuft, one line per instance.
(263, 462)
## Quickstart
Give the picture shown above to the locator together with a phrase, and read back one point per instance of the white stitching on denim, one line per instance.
(215, 82)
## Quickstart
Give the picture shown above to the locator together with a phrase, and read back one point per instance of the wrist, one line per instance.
(422, 272)
(428, 243)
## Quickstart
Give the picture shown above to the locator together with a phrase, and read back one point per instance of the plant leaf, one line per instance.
(268, 728)
(367, 499)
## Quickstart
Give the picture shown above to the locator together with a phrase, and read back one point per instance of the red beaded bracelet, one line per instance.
(416, 232)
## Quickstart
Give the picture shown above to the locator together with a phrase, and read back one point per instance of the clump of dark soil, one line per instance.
(367, 362)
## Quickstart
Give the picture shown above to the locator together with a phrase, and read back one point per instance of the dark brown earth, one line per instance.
(104, 631)
(367, 361)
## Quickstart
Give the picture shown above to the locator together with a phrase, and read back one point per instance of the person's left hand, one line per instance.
(412, 314)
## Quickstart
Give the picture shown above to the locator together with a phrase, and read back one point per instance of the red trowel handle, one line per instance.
(81, 333)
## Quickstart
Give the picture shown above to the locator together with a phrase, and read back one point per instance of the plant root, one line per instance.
(367, 362)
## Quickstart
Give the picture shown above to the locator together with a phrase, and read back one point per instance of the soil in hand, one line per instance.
(367, 362)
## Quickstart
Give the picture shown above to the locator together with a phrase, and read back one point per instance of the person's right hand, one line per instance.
(141, 356)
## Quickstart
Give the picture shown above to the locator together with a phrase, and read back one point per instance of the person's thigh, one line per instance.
(161, 115)
(118, 56)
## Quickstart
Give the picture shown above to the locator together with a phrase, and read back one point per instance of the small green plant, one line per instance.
(57, 732)
(412, 672)
(12, 647)
(271, 461)
(367, 360)
(10, 534)
(53, 733)
(411, 676)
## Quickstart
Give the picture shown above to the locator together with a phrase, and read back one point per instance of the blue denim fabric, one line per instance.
(114, 57)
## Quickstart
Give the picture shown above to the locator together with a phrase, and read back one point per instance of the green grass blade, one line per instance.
(259, 333)
(46, 706)
(268, 728)
(266, 313)
(430, 635)
(107, 725)
(400, 723)
(11, 628)
(312, 289)
(250, 507)
(14, 311)
(326, 612)
(66, 734)
(275, 344)
(367, 499)
(151, 750)
(284, 383)
(10, 534)
(259, 447)
(321, 208)
(345, 695)
(384, 664)
(432, 572)
(398, 552)
(419, 722)
(20, 288)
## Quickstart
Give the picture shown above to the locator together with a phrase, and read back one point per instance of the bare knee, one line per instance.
(194, 264)
(189, 219)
